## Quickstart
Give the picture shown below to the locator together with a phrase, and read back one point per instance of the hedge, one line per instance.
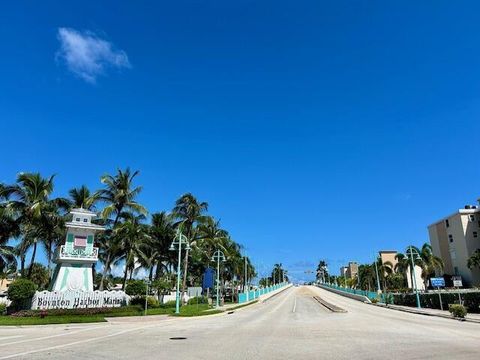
(471, 300)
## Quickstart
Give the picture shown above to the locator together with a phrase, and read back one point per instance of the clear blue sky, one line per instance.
(314, 129)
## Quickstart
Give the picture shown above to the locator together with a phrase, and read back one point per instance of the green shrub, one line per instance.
(3, 308)
(374, 300)
(136, 288)
(198, 300)
(471, 300)
(20, 292)
(140, 300)
(457, 310)
(170, 304)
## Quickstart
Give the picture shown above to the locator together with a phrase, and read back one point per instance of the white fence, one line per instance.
(43, 300)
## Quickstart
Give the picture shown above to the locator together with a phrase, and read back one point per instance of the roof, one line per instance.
(82, 211)
(458, 212)
(77, 225)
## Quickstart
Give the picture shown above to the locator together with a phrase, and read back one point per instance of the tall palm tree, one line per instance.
(133, 235)
(81, 197)
(30, 199)
(162, 234)
(9, 228)
(211, 237)
(189, 211)
(119, 195)
(430, 263)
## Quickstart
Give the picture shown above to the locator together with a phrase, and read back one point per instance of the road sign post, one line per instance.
(438, 283)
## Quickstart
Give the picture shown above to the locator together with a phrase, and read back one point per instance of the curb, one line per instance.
(413, 311)
(275, 294)
(357, 297)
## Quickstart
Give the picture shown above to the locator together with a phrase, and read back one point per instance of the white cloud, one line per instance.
(87, 55)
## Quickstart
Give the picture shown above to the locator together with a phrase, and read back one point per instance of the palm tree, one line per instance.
(119, 195)
(82, 198)
(474, 260)
(9, 228)
(322, 272)
(189, 211)
(384, 270)
(211, 237)
(162, 233)
(430, 263)
(133, 235)
(30, 199)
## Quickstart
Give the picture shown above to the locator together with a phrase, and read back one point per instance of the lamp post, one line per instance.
(412, 252)
(218, 256)
(177, 243)
(147, 282)
(376, 271)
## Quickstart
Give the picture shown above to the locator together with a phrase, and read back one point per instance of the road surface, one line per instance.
(291, 325)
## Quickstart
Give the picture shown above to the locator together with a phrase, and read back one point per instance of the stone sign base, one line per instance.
(44, 300)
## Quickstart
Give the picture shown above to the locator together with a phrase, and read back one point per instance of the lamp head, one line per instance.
(171, 248)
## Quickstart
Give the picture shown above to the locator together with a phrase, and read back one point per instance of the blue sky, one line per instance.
(314, 129)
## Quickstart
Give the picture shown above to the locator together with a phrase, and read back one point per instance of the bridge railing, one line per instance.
(372, 295)
(244, 297)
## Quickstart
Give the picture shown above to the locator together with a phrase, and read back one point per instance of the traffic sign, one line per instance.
(437, 282)
(457, 281)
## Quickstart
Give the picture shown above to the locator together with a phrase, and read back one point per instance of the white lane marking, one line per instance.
(48, 337)
(77, 342)
(10, 337)
(294, 305)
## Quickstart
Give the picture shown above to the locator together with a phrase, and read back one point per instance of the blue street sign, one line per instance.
(208, 278)
(437, 282)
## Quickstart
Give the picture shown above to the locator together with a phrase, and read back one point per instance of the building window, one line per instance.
(447, 223)
(450, 238)
(85, 220)
(475, 234)
(471, 217)
(77, 219)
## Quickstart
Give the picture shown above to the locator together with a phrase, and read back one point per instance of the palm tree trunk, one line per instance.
(32, 260)
(150, 275)
(104, 273)
(22, 264)
(126, 271)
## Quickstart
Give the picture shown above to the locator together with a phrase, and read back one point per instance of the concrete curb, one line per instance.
(420, 312)
(349, 295)
(272, 294)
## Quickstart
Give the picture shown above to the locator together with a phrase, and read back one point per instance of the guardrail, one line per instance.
(255, 294)
(369, 294)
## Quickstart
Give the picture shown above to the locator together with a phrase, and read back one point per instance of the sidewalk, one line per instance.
(430, 312)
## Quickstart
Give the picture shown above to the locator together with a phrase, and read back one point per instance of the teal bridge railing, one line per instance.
(372, 295)
(255, 294)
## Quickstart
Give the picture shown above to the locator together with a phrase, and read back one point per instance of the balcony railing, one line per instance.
(78, 253)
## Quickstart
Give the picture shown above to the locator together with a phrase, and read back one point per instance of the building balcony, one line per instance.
(78, 254)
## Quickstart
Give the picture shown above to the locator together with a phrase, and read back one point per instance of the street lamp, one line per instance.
(411, 253)
(147, 282)
(218, 256)
(177, 243)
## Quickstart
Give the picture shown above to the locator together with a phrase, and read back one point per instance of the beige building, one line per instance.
(454, 239)
(389, 256)
(352, 270)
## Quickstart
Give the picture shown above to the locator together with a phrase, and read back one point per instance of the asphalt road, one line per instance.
(291, 325)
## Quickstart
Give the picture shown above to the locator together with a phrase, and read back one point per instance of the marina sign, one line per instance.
(44, 300)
